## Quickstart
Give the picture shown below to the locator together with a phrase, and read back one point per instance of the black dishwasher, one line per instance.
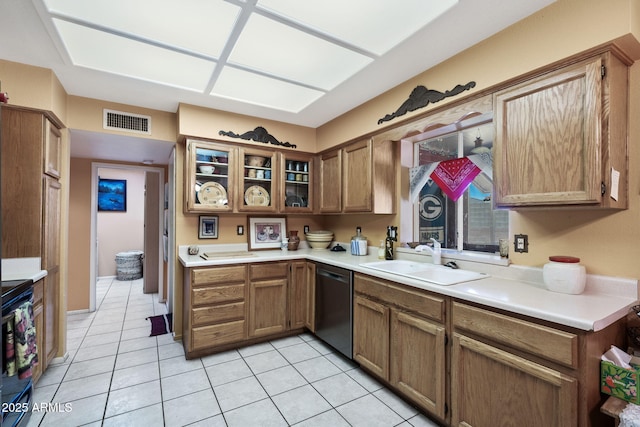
(334, 307)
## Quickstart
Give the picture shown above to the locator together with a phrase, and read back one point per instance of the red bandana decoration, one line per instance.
(454, 176)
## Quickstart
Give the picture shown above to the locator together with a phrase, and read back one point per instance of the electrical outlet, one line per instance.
(521, 243)
(306, 229)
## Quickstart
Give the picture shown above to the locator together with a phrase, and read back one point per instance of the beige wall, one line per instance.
(33, 87)
(605, 241)
(206, 123)
(86, 114)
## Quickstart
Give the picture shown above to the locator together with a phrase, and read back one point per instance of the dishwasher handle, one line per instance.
(335, 276)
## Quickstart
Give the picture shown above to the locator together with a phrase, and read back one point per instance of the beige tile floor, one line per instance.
(116, 375)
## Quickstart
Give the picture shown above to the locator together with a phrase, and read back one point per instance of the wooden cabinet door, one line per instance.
(298, 295)
(267, 307)
(310, 313)
(258, 181)
(357, 175)
(371, 335)
(330, 182)
(52, 149)
(417, 357)
(209, 190)
(51, 263)
(38, 321)
(490, 384)
(296, 183)
(548, 139)
(21, 171)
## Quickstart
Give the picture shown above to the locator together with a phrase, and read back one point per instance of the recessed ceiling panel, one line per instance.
(201, 26)
(249, 87)
(113, 54)
(373, 25)
(280, 50)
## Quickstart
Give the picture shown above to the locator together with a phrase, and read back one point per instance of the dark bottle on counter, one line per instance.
(388, 242)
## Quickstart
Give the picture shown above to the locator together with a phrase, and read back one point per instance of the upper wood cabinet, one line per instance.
(297, 180)
(330, 182)
(209, 177)
(561, 138)
(222, 177)
(258, 180)
(52, 149)
(358, 178)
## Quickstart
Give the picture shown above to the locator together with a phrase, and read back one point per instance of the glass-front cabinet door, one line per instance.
(296, 174)
(259, 190)
(209, 183)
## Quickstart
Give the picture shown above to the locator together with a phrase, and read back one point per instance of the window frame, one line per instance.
(459, 253)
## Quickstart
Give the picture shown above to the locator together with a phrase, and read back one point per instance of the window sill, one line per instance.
(452, 254)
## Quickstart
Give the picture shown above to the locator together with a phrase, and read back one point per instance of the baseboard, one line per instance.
(59, 360)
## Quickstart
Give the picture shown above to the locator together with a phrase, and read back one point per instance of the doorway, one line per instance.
(151, 227)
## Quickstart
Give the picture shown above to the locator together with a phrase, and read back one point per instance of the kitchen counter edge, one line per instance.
(600, 305)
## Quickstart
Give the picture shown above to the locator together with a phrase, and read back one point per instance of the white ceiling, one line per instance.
(302, 62)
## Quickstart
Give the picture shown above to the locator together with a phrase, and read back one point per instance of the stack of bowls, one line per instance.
(319, 239)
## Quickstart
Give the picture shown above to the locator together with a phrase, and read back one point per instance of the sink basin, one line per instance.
(437, 274)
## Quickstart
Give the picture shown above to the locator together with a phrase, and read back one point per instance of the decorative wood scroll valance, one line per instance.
(259, 134)
(420, 97)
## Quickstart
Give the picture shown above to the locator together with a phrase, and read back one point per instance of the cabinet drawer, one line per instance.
(218, 275)
(405, 297)
(268, 270)
(211, 336)
(217, 294)
(216, 314)
(552, 344)
(38, 292)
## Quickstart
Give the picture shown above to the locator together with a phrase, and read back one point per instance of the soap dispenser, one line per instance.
(388, 243)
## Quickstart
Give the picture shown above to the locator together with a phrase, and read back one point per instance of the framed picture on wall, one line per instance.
(266, 233)
(208, 228)
(112, 195)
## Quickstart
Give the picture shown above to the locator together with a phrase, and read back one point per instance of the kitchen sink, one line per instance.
(437, 274)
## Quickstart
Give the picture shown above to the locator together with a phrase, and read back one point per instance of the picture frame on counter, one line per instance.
(266, 232)
(208, 227)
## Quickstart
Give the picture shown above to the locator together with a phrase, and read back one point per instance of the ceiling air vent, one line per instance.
(128, 122)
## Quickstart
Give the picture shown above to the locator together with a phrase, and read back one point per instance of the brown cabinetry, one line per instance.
(560, 135)
(297, 178)
(38, 321)
(51, 263)
(400, 336)
(223, 177)
(310, 297)
(268, 298)
(31, 205)
(512, 370)
(215, 309)
(209, 177)
(258, 182)
(228, 306)
(298, 289)
(358, 178)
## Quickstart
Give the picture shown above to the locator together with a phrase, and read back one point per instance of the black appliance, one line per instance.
(16, 393)
(334, 307)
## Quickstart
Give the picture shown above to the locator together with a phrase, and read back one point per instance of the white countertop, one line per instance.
(22, 269)
(516, 289)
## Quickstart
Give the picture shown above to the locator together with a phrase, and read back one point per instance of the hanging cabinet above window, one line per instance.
(561, 137)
